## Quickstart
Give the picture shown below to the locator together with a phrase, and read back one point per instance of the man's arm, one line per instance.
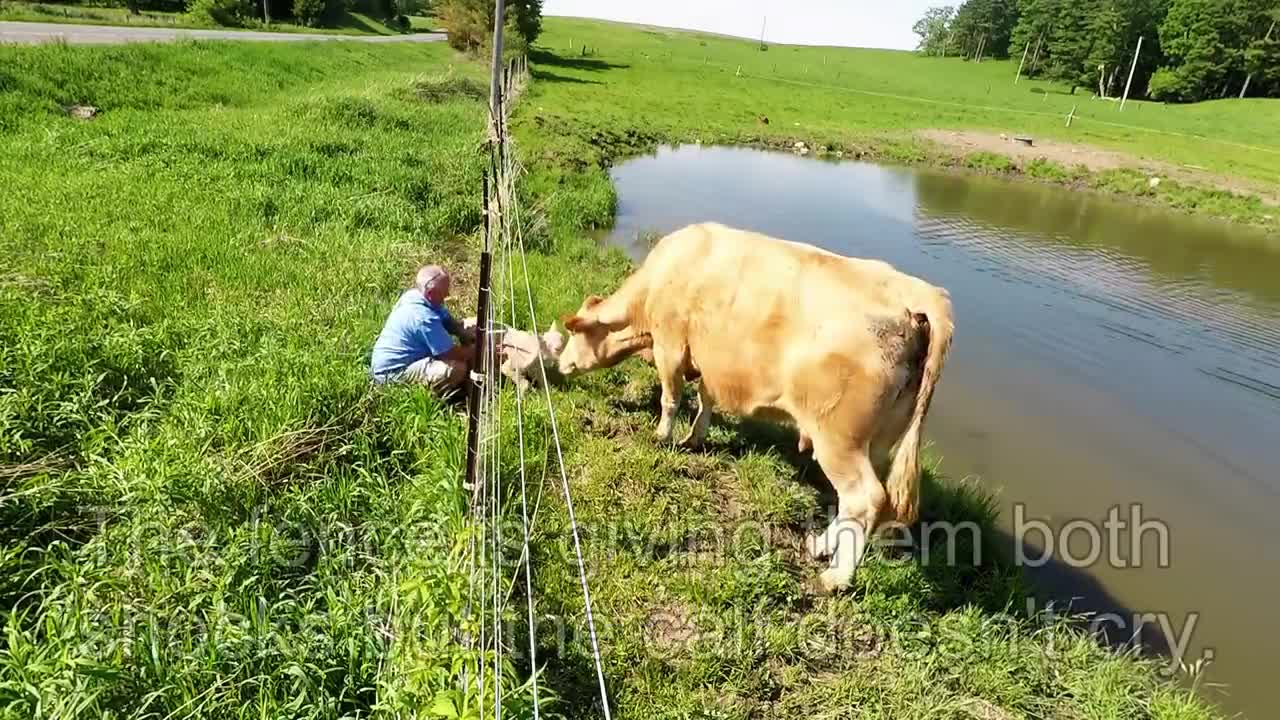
(455, 328)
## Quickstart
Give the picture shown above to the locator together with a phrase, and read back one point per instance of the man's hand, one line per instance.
(460, 353)
(464, 331)
(467, 331)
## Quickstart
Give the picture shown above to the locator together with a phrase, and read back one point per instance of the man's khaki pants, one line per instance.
(440, 375)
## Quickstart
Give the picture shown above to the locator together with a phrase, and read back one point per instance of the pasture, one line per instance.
(611, 90)
(207, 512)
(349, 23)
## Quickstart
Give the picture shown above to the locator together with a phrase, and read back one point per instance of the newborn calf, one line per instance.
(525, 356)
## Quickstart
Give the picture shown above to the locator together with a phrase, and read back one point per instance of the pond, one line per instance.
(1115, 377)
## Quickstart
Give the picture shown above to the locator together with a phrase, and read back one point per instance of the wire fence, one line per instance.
(493, 577)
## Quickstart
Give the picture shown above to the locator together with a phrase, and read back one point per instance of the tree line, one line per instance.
(255, 13)
(1192, 50)
(469, 23)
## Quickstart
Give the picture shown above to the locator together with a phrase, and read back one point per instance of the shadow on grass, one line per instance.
(1043, 91)
(546, 57)
(964, 555)
(967, 559)
(544, 76)
(44, 519)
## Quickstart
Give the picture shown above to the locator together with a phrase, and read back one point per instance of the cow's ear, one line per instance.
(591, 301)
(576, 323)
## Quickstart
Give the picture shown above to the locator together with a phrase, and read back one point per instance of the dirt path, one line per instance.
(1096, 159)
(34, 33)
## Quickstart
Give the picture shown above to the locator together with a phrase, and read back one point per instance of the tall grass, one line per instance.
(346, 23)
(205, 509)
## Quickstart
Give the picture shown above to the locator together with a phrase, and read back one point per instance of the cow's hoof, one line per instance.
(817, 549)
(831, 582)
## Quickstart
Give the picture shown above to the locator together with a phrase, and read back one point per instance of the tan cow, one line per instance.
(848, 349)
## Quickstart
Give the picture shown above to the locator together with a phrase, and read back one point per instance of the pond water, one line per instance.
(1114, 379)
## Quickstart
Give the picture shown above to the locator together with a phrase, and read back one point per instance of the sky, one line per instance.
(857, 23)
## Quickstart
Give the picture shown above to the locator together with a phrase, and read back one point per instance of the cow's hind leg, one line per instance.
(701, 421)
(861, 501)
(671, 376)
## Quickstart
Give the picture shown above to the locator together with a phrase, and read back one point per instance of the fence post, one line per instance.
(478, 361)
(1132, 67)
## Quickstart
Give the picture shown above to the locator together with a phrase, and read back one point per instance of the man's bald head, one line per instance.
(433, 282)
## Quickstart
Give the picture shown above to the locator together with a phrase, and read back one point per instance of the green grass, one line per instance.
(350, 23)
(694, 558)
(635, 87)
(425, 23)
(206, 511)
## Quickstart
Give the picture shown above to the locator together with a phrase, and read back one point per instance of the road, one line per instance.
(30, 33)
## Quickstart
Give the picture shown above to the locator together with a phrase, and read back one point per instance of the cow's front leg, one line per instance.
(671, 375)
(701, 421)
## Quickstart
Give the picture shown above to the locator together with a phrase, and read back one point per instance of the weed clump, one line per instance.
(448, 87)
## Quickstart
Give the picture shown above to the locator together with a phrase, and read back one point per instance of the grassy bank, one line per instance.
(350, 23)
(694, 558)
(206, 511)
(610, 90)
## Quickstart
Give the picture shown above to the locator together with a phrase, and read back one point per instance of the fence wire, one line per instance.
(489, 571)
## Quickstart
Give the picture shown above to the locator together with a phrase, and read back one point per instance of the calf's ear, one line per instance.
(591, 301)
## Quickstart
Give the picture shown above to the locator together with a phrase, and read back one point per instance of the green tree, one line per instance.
(1115, 26)
(983, 27)
(308, 12)
(933, 29)
(1035, 19)
(1262, 59)
(470, 23)
(1204, 42)
(1084, 41)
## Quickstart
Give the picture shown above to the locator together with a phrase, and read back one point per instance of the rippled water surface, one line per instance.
(1106, 356)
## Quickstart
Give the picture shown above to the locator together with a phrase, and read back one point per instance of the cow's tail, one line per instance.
(903, 484)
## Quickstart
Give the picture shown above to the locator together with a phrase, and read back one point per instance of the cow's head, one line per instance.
(596, 343)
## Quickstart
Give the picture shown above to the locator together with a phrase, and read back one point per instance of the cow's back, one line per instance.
(738, 280)
(770, 322)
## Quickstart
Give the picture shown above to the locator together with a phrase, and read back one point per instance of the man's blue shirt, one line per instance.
(415, 329)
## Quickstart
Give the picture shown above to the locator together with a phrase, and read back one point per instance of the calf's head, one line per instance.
(595, 342)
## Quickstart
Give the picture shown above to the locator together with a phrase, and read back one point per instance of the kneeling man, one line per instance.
(415, 344)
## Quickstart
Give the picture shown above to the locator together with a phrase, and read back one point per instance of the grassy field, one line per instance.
(206, 511)
(351, 23)
(611, 90)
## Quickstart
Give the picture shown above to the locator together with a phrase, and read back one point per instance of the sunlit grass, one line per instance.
(205, 509)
